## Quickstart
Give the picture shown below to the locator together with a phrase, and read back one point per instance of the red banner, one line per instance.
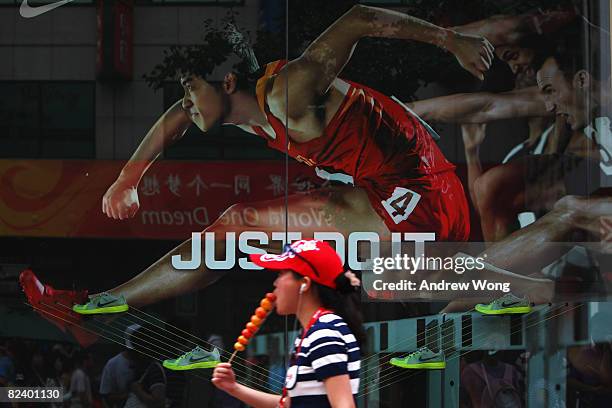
(55, 198)
(115, 27)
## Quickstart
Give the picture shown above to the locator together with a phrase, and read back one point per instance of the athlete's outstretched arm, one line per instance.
(508, 29)
(482, 107)
(311, 75)
(121, 199)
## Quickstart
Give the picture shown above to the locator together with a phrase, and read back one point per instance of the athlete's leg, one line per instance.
(532, 183)
(536, 245)
(530, 249)
(498, 193)
(341, 209)
(473, 135)
(347, 209)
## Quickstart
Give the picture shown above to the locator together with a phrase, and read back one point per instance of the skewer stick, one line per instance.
(232, 356)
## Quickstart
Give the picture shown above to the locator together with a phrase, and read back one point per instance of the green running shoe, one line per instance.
(101, 304)
(196, 358)
(422, 358)
(507, 304)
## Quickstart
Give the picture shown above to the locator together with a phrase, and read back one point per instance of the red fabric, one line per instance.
(56, 306)
(382, 146)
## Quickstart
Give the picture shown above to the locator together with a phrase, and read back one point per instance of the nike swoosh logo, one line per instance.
(106, 303)
(195, 360)
(28, 11)
(428, 358)
(504, 304)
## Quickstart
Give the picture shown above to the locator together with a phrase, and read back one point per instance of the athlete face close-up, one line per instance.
(287, 291)
(203, 102)
(562, 95)
(519, 59)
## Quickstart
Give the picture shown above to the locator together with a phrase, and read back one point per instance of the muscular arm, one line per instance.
(481, 107)
(507, 29)
(121, 199)
(168, 129)
(312, 74)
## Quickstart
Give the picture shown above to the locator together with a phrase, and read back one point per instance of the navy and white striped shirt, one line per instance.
(329, 349)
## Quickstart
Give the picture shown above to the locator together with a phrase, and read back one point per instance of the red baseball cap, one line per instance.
(308, 257)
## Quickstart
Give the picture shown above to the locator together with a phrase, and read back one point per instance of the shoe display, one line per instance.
(196, 358)
(102, 304)
(507, 304)
(423, 358)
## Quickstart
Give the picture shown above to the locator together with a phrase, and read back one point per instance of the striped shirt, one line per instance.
(329, 349)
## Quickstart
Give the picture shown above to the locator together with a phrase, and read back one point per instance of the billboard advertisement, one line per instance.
(306, 203)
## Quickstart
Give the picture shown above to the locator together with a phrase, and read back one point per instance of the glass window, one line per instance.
(47, 119)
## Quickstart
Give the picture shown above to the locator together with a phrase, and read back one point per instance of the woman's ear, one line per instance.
(306, 283)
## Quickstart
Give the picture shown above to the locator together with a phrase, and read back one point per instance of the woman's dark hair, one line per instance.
(345, 301)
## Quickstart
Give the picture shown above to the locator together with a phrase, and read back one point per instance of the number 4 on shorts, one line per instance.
(401, 204)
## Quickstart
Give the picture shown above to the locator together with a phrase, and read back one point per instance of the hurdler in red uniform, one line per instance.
(389, 153)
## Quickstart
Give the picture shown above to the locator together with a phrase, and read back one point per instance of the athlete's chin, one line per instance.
(200, 124)
(206, 125)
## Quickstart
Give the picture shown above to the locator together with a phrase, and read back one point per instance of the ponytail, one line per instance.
(345, 301)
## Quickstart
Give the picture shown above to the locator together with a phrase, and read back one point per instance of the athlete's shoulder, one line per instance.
(272, 68)
(265, 82)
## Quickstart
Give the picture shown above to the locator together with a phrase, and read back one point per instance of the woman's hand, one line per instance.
(224, 378)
